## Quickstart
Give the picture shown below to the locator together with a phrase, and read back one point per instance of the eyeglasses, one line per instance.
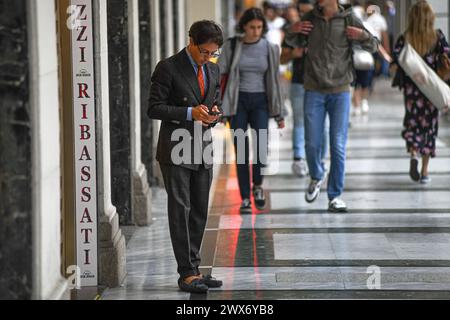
(204, 52)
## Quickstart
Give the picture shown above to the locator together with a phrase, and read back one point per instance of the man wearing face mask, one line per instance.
(328, 33)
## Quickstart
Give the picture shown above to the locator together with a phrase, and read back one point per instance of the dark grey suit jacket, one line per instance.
(174, 88)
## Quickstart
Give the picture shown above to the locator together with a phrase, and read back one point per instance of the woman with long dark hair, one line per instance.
(251, 97)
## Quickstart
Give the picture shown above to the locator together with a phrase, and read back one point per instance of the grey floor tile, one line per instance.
(302, 247)
(365, 220)
(366, 200)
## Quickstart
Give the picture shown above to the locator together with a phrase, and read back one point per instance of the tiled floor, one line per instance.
(396, 230)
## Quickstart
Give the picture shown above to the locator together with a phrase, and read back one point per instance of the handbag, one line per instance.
(224, 78)
(363, 60)
(444, 67)
(426, 79)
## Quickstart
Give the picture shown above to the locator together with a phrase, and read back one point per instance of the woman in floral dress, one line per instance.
(421, 116)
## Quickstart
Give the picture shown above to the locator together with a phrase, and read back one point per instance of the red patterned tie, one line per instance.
(201, 81)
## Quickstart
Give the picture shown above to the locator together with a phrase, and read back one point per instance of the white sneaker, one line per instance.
(313, 190)
(299, 168)
(365, 106)
(337, 205)
(356, 112)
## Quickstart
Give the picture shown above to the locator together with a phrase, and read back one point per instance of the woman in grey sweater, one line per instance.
(251, 97)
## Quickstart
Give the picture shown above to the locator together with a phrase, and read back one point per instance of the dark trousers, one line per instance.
(188, 195)
(252, 110)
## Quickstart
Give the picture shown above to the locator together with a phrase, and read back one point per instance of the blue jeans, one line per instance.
(297, 96)
(252, 110)
(317, 105)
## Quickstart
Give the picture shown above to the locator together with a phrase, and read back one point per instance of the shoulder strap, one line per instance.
(309, 16)
(348, 23)
(349, 20)
(233, 42)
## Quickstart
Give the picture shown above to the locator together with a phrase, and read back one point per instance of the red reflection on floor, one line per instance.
(232, 204)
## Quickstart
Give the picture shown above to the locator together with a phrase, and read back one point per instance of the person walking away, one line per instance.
(363, 83)
(421, 120)
(379, 24)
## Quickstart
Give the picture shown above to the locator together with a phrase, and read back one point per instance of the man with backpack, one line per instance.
(327, 33)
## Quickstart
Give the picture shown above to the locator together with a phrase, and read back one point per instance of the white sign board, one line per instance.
(84, 134)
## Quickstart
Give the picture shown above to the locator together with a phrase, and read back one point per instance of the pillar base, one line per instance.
(61, 291)
(112, 251)
(142, 198)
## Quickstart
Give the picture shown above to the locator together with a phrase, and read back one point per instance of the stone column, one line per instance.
(181, 25)
(155, 7)
(146, 45)
(169, 28)
(119, 105)
(112, 248)
(15, 154)
(141, 193)
(48, 282)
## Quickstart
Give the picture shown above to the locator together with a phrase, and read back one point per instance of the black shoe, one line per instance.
(246, 206)
(413, 171)
(260, 199)
(212, 282)
(195, 286)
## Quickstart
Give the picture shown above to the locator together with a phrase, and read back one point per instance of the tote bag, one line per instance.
(363, 60)
(426, 79)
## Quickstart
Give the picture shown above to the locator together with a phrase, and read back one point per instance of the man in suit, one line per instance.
(185, 95)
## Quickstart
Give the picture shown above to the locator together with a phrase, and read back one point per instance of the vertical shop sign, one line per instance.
(85, 147)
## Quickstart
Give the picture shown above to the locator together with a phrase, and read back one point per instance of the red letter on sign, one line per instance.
(85, 173)
(82, 88)
(86, 234)
(85, 135)
(83, 30)
(84, 111)
(86, 216)
(87, 257)
(85, 153)
(82, 54)
(86, 194)
(82, 7)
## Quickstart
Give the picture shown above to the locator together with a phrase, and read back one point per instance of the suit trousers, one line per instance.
(188, 197)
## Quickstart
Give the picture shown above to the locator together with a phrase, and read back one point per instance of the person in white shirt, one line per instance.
(275, 24)
(380, 27)
(359, 11)
(364, 78)
(376, 20)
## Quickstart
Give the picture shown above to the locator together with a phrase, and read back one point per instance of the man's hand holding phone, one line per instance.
(216, 113)
(206, 116)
